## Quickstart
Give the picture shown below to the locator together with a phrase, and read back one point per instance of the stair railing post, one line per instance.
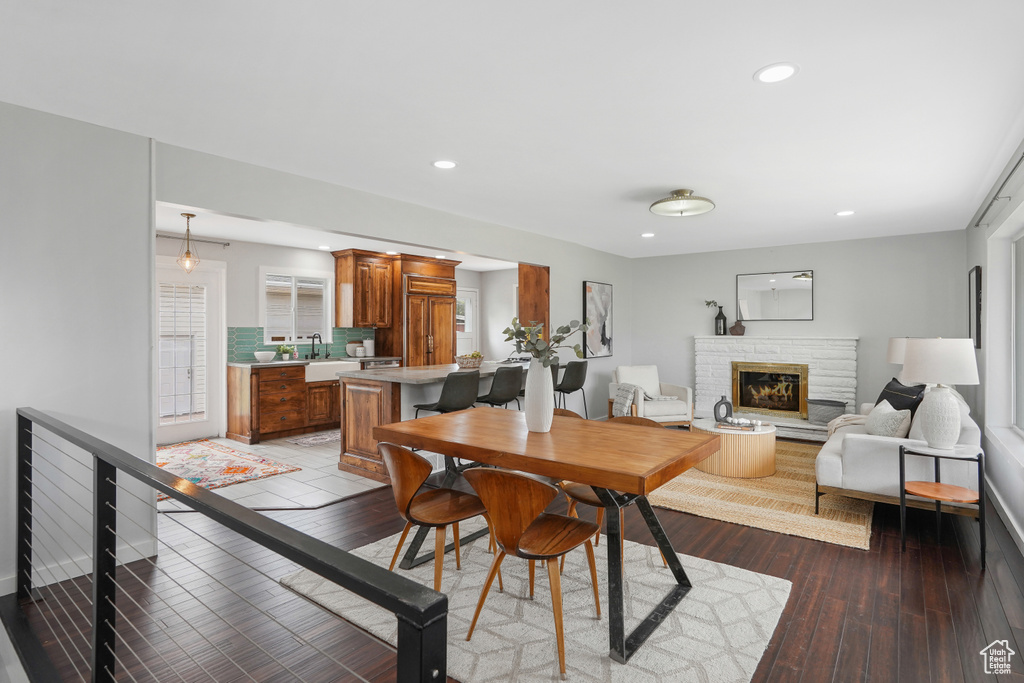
(24, 517)
(104, 558)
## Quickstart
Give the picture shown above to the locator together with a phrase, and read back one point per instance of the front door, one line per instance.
(190, 361)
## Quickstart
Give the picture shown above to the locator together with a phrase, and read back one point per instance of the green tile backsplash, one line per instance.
(244, 341)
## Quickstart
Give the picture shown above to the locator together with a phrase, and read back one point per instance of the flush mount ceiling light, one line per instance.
(188, 257)
(774, 73)
(803, 276)
(682, 203)
(444, 164)
(647, 234)
(844, 213)
(324, 248)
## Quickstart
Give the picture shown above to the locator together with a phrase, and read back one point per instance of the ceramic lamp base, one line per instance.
(939, 413)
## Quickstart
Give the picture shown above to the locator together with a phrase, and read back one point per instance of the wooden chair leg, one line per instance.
(401, 541)
(439, 536)
(532, 569)
(593, 576)
(495, 568)
(556, 606)
(492, 547)
(458, 552)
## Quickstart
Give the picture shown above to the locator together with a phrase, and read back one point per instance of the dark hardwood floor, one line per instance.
(878, 615)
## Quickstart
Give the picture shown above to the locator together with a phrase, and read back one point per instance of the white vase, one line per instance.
(939, 414)
(540, 397)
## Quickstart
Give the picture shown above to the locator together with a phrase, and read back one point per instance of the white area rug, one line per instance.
(318, 438)
(718, 633)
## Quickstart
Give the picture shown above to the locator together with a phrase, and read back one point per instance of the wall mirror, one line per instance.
(775, 296)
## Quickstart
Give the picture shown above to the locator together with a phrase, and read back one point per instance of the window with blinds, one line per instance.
(296, 309)
(181, 320)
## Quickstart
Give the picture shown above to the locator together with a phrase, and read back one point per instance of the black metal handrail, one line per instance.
(421, 612)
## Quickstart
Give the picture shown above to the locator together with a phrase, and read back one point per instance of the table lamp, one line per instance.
(941, 362)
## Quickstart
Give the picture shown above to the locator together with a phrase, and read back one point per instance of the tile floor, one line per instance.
(318, 483)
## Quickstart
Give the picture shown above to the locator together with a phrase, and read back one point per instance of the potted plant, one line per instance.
(540, 398)
(285, 351)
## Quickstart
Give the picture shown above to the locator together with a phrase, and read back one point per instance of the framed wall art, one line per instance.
(974, 305)
(597, 310)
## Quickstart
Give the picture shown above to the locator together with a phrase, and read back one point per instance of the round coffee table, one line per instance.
(741, 454)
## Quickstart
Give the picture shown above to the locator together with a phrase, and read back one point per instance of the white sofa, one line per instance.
(859, 465)
(678, 412)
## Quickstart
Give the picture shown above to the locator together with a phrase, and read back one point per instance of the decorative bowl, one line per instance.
(469, 361)
(351, 347)
(264, 356)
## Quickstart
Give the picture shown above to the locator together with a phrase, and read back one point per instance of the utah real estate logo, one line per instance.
(997, 657)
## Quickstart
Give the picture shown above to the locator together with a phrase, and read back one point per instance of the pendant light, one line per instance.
(188, 257)
(682, 203)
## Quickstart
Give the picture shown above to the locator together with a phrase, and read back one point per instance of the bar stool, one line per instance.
(457, 393)
(504, 387)
(573, 379)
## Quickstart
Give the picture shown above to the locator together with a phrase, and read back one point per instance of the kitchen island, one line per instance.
(371, 398)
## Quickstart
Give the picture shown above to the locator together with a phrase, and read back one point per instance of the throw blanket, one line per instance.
(624, 394)
(845, 421)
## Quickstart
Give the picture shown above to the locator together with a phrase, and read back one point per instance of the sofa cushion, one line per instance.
(902, 397)
(666, 410)
(884, 420)
(644, 376)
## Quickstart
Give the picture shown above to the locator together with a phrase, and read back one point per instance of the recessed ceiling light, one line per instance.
(844, 213)
(439, 256)
(444, 164)
(391, 253)
(771, 281)
(773, 73)
(325, 248)
(647, 234)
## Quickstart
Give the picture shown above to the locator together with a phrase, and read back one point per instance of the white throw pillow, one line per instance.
(884, 420)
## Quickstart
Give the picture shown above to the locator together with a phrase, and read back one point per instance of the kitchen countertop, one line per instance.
(303, 361)
(424, 374)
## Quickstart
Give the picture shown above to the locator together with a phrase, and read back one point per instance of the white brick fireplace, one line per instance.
(831, 365)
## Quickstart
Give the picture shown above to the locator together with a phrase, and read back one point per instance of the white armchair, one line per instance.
(677, 412)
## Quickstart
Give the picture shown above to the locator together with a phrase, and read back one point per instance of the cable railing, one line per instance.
(107, 590)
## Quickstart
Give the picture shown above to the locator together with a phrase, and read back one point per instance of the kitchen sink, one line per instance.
(324, 369)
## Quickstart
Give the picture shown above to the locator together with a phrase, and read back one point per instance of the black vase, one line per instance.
(723, 409)
(720, 322)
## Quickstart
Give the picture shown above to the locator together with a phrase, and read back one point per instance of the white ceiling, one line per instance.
(566, 118)
(217, 226)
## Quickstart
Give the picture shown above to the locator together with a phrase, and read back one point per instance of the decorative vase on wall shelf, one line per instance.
(737, 329)
(540, 397)
(720, 323)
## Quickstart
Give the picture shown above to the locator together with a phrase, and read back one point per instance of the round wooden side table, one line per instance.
(741, 454)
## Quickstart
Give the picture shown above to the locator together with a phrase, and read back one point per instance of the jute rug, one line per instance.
(317, 439)
(212, 465)
(717, 633)
(783, 502)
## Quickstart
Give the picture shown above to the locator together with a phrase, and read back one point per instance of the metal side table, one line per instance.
(940, 492)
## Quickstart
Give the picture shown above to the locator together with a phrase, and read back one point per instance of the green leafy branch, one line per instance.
(530, 338)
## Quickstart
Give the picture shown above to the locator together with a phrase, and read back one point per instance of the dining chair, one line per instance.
(576, 493)
(457, 393)
(505, 386)
(435, 508)
(573, 379)
(562, 412)
(516, 505)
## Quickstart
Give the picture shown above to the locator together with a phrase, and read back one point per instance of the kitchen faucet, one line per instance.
(313, 353)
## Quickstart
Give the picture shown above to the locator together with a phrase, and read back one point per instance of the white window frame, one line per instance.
(261, 289)
(1014, 397)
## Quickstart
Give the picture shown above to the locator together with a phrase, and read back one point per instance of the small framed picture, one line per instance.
(974, 305)
(597, 310)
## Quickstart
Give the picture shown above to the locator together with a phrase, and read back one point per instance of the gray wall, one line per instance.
(79, 264)
(210, 182)
(244, 260)
(912, 285)
(498, 305)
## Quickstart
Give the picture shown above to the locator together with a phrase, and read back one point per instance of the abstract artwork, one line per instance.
(597, 309)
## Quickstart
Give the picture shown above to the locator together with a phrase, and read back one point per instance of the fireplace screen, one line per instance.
(770, 388)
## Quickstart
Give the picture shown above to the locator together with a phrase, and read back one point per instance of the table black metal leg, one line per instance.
(411, 558)
(903, 499)
(622, 646)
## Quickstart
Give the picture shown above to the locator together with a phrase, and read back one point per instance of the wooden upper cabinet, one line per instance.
(364, 288)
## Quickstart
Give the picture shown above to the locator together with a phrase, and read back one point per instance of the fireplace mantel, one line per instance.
(831, 361)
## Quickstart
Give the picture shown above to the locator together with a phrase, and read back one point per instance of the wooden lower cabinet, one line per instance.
(273, 402)
(366, 404)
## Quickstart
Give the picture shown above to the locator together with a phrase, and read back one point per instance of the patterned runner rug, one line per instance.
(719, 631)
(318, 438)
(783, 502)
(212, 465)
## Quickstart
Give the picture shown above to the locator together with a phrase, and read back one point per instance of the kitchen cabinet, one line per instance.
(364, 284)
(430, 330)
(276, 401)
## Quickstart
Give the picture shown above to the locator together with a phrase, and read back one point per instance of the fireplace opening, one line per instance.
(770, 388)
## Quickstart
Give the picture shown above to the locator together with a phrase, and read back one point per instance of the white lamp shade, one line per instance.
(940, 361)
(897, 349)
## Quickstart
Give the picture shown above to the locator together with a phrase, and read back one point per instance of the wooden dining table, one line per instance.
(622, 463)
